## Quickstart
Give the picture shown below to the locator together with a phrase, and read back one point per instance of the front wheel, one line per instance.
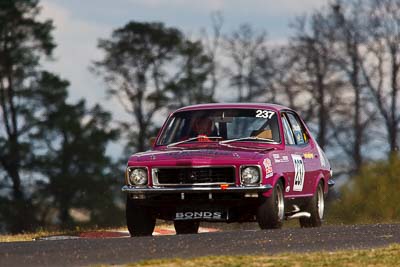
(186, 227)
(315, 207)
(139, 219)
(271, 212)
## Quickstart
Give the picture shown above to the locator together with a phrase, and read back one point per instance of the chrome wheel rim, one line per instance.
(280, 202)
(320, 202)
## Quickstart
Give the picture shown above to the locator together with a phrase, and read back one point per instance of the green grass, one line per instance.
(388, 256)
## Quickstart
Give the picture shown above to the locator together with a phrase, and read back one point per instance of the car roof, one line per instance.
(275, 107)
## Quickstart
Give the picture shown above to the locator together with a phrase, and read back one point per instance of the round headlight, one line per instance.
(138, 177)
(250, 175)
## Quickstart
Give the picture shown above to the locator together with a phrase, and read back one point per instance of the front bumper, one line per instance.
(174, 190)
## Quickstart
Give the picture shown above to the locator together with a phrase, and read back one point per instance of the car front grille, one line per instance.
(190, 176)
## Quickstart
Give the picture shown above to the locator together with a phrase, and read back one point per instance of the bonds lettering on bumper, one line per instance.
(231, 189)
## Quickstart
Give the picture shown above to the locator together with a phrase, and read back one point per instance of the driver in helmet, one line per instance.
(202, 127)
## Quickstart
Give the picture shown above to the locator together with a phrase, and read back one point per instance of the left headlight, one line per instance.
(250, 175)
(137, 176)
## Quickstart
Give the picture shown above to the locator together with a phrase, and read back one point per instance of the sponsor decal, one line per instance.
(190, 215)
(296, 128)
(280, 159)
(298, 137)
(299, 172)
(308, 155)
(268, 168)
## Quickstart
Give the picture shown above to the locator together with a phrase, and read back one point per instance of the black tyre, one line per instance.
(315, 207)
(139, 219)
(271, 212)
(186, 227)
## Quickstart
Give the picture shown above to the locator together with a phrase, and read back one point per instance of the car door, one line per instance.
(301, 154)
(291, 169)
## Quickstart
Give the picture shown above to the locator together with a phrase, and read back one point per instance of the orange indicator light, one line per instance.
(224, 186)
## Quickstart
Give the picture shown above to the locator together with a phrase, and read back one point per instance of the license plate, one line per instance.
(201, 215)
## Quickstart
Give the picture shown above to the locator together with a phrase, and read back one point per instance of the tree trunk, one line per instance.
(322, 112)
(392, 131)
(358, 131)
(65, 218)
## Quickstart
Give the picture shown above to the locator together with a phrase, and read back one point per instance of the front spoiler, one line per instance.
(172, 190)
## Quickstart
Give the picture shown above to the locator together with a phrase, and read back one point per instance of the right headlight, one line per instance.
(137, 176)
(250, 175)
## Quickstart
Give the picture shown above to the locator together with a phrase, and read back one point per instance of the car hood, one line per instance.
(200, 155)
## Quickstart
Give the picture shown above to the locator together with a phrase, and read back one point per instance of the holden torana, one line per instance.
(228, 163)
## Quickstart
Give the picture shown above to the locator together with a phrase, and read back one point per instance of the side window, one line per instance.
(289, 139)
(298, 130)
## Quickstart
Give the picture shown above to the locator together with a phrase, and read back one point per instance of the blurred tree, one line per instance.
(71, 156)
(136, 69)
(349, 34)
(194, 70)
(147, 66)
(212, 46)
(344, 61)
(382, 67)
(249, 70)
(288, 82)
(311, 56)
(23, 42)
(349, 37)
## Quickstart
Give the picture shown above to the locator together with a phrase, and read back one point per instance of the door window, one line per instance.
(289, 139)
(297, 129)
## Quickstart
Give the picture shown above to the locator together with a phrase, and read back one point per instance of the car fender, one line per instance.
(320, 178)
(273, 180)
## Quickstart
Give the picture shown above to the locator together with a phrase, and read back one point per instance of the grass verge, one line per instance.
(387, 256)
(31, 236)
(44, 233)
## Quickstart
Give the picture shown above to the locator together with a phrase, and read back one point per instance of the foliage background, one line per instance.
(340, 68)
(371, 196)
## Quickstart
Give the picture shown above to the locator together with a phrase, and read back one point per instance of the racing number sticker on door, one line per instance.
(298, 173)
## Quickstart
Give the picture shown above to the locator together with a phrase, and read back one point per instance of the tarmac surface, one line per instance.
(120, 250)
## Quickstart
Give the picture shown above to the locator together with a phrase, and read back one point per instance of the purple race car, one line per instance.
(229, 163)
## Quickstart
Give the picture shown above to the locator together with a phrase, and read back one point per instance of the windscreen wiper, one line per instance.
(193, 139)
(248, 138)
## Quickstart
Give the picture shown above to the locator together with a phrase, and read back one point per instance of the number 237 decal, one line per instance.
(266, 114)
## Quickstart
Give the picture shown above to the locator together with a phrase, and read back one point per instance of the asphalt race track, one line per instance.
(80, 252)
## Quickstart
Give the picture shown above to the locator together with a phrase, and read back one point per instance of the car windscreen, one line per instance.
(221, 124)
